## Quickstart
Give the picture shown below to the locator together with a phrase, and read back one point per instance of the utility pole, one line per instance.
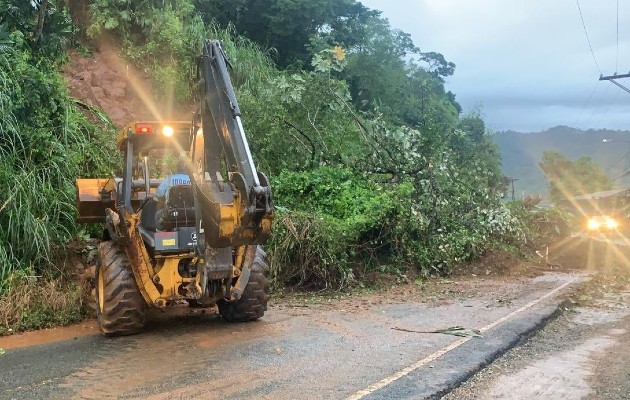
(612, 80)
(511, 179)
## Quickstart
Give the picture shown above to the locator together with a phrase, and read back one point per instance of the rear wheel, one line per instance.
(253, 303)
(120, 308)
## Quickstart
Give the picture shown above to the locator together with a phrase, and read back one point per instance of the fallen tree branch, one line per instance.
(453, 330)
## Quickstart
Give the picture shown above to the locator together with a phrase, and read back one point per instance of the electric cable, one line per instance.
(610, 104)
(611, 166)
(597, 104)
(590, 96)
(617, 55)
(587, 38)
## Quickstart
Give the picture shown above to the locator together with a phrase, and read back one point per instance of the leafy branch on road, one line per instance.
(453, 330)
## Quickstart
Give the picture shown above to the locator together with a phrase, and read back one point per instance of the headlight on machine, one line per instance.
(167, 131)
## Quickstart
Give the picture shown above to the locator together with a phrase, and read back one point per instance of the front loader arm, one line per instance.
(233, 199)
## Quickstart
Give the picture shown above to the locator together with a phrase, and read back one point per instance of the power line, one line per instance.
(597, 104)
(610, 104)
(590, 96)
(587, 38)
(617, 56)
(611, 166)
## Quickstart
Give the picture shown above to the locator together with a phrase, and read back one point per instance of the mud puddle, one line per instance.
(45, 336)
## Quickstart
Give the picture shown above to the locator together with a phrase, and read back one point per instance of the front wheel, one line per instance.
(253, 303)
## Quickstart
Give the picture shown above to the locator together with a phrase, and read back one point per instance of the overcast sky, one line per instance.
(527, 63)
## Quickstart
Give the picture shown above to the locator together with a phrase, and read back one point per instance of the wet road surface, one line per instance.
(583, 354)
(329, 350)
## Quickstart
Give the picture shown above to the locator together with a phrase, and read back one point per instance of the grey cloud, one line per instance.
(520, 59)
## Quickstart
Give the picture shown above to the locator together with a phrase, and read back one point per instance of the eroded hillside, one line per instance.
(106, 80)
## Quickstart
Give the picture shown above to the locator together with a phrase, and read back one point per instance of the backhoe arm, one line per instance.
(233, 199)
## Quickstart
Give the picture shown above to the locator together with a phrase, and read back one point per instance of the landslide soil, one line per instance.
(107, 80)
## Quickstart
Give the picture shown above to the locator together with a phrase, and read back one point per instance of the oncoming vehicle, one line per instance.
(602, 224)
(200, 243)
(602, 212)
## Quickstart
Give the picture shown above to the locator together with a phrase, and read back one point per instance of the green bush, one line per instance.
(333, 225)
(310, 250)
(29, 303)
(541, 226)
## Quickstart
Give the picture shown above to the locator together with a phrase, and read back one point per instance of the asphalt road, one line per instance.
(583, 354)
(338, 349)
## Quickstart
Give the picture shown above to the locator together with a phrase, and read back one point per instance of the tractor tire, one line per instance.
(253, 303)
(120, 308)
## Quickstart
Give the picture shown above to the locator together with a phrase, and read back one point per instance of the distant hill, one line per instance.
(521, 153)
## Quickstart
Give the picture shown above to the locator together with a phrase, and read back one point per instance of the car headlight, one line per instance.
(612, 223)
(593, 224)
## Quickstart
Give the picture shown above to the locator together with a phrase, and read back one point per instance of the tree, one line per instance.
(568, 178)
(288, 25)
(45, 25)
(40, 20)
(388, 72)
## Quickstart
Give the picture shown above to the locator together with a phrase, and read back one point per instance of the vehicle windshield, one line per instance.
(162, 162)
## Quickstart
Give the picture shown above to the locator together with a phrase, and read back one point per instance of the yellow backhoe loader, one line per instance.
(201, 241)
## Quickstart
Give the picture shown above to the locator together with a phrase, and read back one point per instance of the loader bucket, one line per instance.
(93, 197)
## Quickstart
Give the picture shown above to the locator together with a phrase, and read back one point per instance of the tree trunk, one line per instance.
(40, 20)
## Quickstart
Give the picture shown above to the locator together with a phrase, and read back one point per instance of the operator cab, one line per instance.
(167, 223)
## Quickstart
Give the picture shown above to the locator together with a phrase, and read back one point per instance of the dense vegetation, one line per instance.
(373, 165)
(45, 141)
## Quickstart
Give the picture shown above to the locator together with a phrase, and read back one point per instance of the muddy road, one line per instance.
(303, 348)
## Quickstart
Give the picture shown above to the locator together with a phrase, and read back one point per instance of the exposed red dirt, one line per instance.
(125, 93)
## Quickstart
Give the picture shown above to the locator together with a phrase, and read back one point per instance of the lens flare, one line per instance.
(593, 224)
(612, 223)
(167, 131)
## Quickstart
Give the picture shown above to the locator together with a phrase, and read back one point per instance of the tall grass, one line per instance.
(45, 143)
(27, 305)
